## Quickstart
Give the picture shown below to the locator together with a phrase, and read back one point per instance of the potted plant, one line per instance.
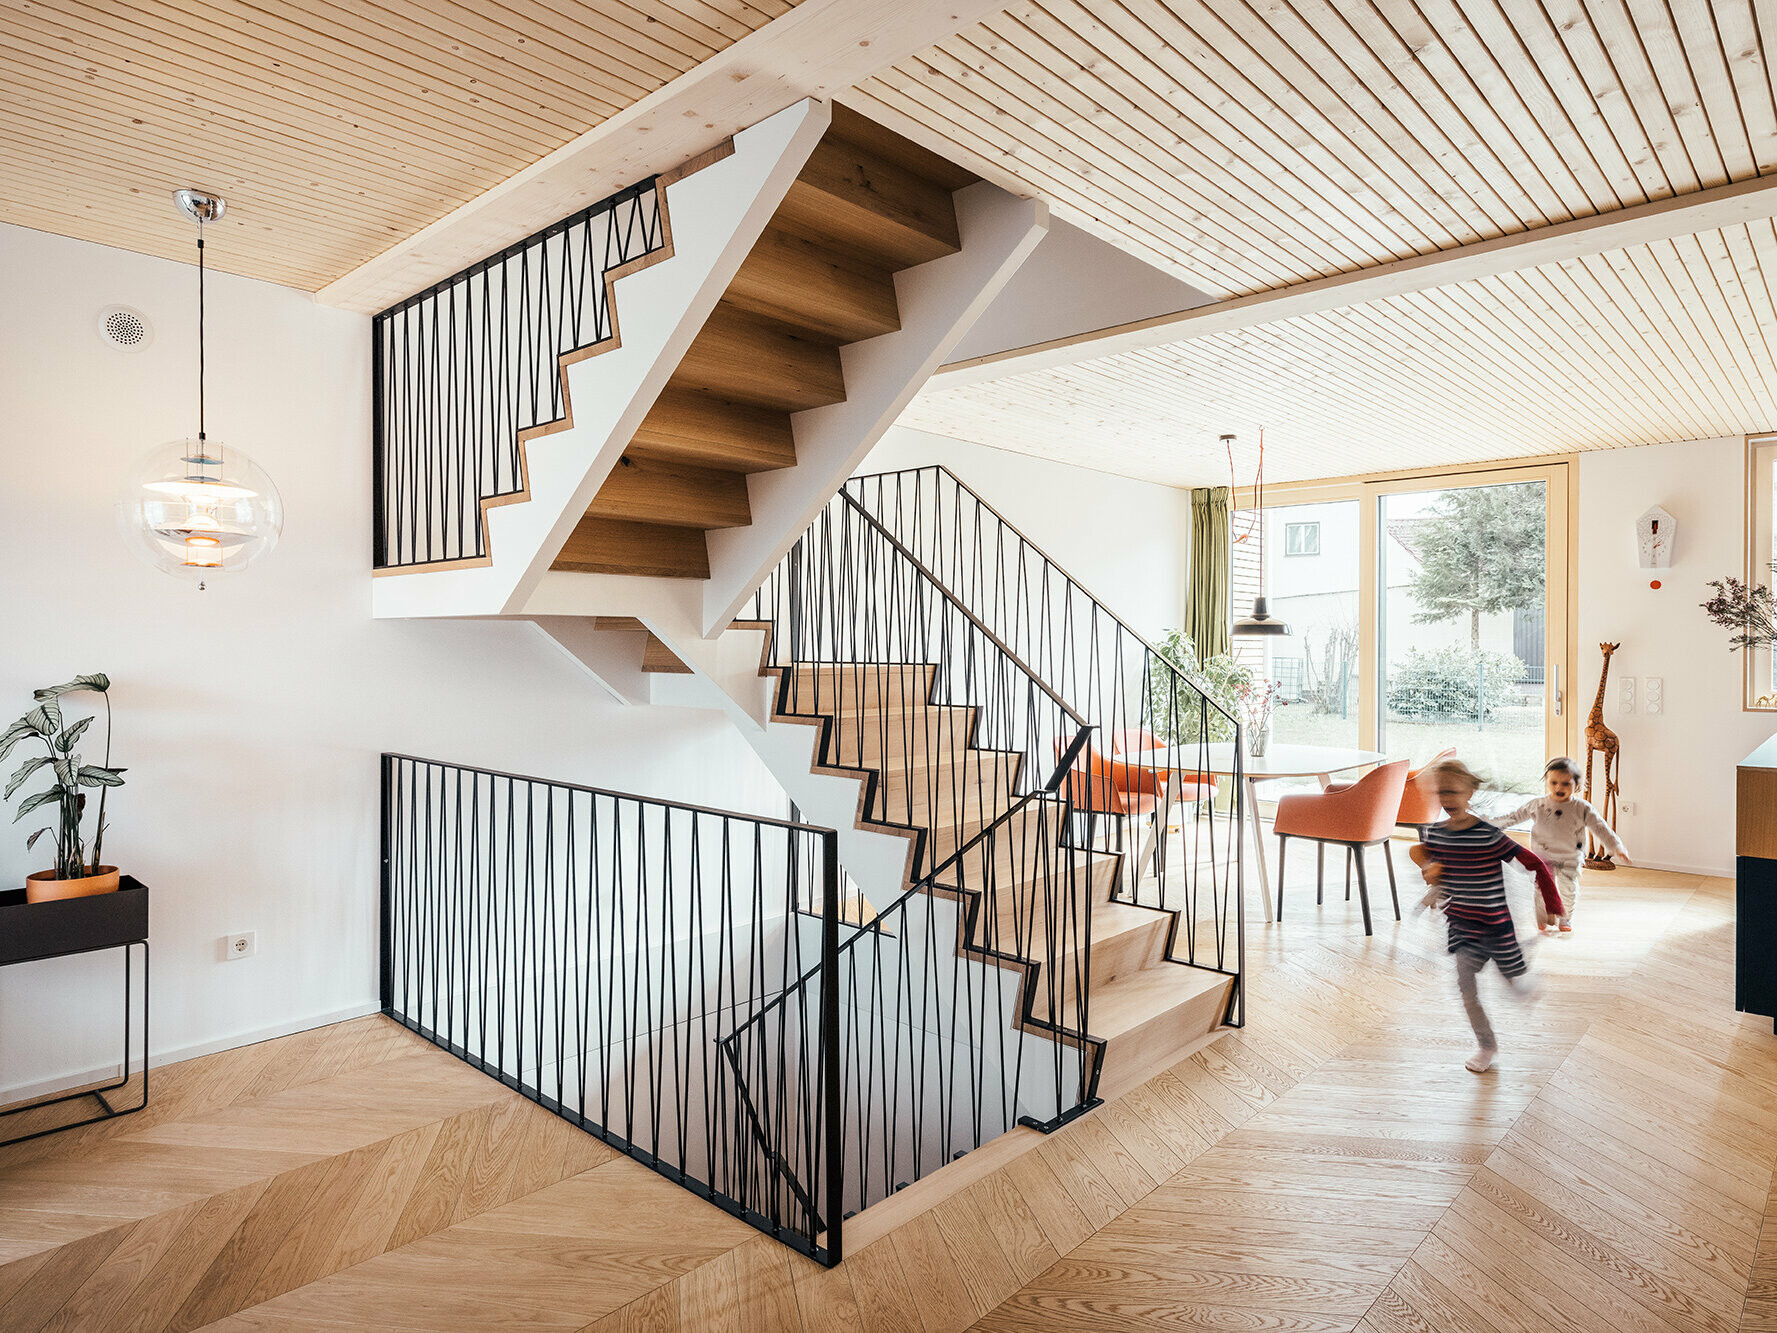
(74, 875)
(1748, 610)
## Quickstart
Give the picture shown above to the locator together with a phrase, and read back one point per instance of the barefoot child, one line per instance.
(1558, 835)
(1461, 859)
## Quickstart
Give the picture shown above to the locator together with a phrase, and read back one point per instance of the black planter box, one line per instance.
(30, 931)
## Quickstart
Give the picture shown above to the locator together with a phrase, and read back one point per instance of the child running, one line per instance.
(1461, 859)
(1558, 835)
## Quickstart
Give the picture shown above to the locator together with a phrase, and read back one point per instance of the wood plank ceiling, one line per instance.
(1249, 145)
(333, 129)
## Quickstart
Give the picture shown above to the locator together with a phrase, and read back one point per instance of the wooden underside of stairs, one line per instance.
(657, 658)
(866, 204)
(935, 783)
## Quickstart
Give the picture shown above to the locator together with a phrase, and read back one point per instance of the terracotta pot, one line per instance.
(44, 887)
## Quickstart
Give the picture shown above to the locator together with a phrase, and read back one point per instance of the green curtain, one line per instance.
(1206, 598)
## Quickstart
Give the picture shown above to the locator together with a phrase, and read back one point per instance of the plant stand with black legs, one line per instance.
(32, 932)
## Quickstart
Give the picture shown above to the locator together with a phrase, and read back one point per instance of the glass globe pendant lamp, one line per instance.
(197, 508)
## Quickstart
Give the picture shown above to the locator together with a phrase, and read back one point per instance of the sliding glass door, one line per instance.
(1461, 646)
(1426, 614)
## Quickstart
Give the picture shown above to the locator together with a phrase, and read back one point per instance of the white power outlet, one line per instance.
(1626, 807)
(1626, 695)
(1654, 695)
(244, 945)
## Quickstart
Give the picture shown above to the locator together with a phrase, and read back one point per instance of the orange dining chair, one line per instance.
(1188, 787)
(1356, 816)
(1419, 808)
(1119, 793)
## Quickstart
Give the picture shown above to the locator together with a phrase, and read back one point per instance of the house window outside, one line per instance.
(1301, 539)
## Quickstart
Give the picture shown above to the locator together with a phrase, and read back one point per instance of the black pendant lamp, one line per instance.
(1261, 624)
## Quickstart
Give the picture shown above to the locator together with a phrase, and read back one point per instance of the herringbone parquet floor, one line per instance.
(1330, 1167)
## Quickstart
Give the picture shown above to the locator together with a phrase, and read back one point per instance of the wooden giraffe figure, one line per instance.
(1600, 739)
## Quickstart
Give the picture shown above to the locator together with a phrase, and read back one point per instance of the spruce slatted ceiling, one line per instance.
(1249, 146)
(334, 129)
(1670, 341)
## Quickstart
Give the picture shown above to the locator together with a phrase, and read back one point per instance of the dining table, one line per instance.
(1279, 761)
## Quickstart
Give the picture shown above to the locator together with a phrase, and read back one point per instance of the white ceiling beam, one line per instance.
(1682, 215)
(815, 50)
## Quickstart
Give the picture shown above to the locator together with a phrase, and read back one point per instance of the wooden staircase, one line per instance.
(942, 790)
(866, 204)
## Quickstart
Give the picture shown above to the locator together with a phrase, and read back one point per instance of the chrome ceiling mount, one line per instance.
(200, 207)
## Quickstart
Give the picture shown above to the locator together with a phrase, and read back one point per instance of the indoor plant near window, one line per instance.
(74, 876)
(1749, 612)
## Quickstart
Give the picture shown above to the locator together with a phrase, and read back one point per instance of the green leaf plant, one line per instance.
(44, 724)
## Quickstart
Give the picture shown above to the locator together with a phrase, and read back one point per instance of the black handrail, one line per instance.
(959, 742)
(855, 487)
(464, 369)
(1152, 718)
(595, 951)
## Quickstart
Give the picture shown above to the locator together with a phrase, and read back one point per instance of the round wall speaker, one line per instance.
(125, 329)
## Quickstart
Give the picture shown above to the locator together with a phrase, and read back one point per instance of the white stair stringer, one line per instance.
(611, 657)
(713, 215)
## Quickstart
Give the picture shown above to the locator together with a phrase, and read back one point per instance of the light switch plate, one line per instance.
(1654, 695)
(1626, 695)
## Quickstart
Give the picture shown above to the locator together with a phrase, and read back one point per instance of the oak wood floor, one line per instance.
(1331, 1167)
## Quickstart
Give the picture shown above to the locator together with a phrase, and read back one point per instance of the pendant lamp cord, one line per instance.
(200, 327)
(1259, 486)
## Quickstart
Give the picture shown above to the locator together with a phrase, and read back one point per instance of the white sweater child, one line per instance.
(1558, 828)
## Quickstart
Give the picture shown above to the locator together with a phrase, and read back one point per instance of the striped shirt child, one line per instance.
(1473, 885)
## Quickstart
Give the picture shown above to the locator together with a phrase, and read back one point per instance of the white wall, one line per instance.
(1678, 767)
(250, 716)
(1124, 541)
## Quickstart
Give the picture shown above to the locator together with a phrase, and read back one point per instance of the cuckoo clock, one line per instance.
(1654, 532)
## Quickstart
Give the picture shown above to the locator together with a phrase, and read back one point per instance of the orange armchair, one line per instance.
(1357, 815)
(1188, 786)
(1420, 808)
(1120, 793)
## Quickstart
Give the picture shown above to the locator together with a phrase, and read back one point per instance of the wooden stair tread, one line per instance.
(820, 293)
(687, 426)
(658, 659)
(1110, 923)
(746, 358)
(680, 495)
(856, 128)
(617, 546)
(853, 199)
(1130, 1002)
(656, 656)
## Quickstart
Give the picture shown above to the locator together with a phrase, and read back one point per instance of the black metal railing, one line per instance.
(463, 369)
(598, 952)
(964, 1003)
(1154, 723)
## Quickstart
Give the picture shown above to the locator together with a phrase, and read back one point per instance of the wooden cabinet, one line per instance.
(1755, 848)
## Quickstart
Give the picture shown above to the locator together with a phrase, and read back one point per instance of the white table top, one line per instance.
(1278, 761)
